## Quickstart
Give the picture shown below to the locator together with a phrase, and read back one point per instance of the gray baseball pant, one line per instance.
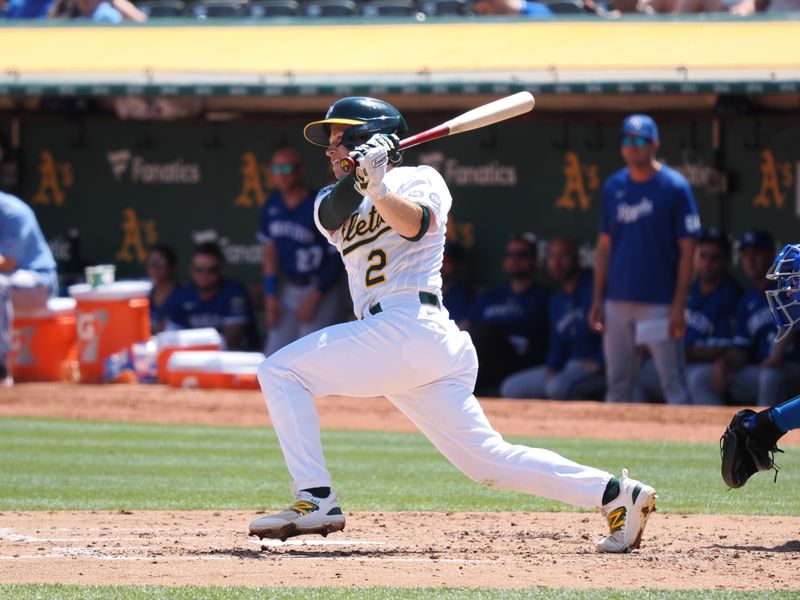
(574, 382)
(288, 330)
(623, 358)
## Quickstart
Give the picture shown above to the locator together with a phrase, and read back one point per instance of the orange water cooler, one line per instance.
(214, 369)
(184, 340)
(110, 318)
(43, 342)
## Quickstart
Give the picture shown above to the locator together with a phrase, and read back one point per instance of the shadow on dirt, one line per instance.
(791, 546)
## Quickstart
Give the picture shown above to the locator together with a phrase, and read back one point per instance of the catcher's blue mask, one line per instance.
(784, 298)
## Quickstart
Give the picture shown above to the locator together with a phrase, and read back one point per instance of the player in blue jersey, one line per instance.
(709, 320)
(508, 322)
(749, 443)
(162, 270)
(643, 265)
(574, 366)
(302, 271)
(27, 269)
(214, 301)
(757, 368)
(456, 296)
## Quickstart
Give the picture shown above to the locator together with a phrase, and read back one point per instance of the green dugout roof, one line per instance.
(472, 56)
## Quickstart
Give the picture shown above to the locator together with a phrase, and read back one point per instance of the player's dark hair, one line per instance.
(713, 235)
(209, 249)
(167, 252)
(527, 238)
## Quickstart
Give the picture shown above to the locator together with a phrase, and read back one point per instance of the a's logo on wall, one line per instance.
(126, 166)
(777, 179)
(137, 234)
(580, 181)
(256, 181)
(54, 180)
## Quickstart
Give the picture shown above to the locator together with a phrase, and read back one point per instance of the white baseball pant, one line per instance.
(417, 357)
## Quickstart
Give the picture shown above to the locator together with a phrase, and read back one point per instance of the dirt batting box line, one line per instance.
(501, 550)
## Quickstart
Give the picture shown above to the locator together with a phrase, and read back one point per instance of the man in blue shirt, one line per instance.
(213, 301)
(310, 297)
(508, 323)
(27, 269)
(99, 11)
(710, 316)
(756, 367)
(643, 266)
(456, 296)
(574, 366)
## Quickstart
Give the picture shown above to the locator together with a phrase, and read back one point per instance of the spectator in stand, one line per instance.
(214, 301)
(745, 8)
(710, 317)
(27, 270)
(162, 269)
(92, 9)
(643, 266)
(508, 323)
(26, 9)
(99, 11)
(755, 368)
(512, 7)
(574, 366)
(298, 256)
(456, 296)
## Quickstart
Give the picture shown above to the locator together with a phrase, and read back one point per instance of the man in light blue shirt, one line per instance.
(99, 11)
(27, 269)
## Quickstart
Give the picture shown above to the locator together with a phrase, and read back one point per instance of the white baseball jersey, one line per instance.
(378, 260)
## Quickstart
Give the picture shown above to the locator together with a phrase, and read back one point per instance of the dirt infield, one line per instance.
(500, 550)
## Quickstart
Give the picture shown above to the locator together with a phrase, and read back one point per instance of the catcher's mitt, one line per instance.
(744, 453)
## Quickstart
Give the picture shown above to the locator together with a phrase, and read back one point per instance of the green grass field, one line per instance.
(73, 592)
(77, 465)
(48, 464)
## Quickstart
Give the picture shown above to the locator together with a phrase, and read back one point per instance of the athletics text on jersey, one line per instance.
(378, 260)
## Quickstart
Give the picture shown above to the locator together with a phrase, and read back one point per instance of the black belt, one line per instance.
(424, 298)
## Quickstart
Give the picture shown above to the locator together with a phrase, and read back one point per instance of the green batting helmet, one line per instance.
(366, 117)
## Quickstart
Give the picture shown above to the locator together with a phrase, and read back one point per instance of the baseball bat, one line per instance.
(487, 114)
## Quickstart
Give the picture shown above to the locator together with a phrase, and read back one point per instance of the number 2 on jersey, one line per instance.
(377, 260)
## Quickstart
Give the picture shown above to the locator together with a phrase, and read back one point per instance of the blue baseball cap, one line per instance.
(716, 236)
(757, 238)
(640, 126)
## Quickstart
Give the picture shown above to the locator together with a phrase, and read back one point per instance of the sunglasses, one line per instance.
(201, 269)
(283, 169)
(633, 140)
(156, 264)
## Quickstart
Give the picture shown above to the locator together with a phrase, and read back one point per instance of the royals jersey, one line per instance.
(304, 255)
(756, 330)
(645, 220)
(230, 306)
(570, 336)
(710, 317)
(378, 260)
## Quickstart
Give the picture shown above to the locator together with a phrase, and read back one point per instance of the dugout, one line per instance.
(161, 132)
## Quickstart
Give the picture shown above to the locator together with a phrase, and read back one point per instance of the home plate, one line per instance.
(266, 543)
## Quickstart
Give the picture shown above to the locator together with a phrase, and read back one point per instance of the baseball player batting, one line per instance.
(388, 223)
